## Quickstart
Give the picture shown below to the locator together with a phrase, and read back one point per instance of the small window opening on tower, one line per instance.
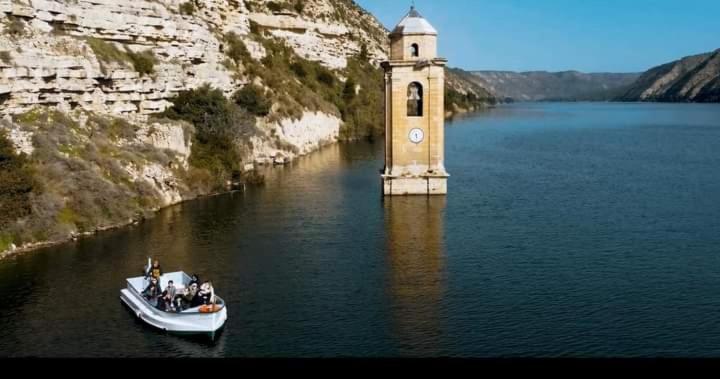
(414, 50)
(415, 100)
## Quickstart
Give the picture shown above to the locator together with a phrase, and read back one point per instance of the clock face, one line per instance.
(417, 135)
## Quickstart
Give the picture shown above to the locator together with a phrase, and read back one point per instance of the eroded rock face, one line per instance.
(48, 60)
(289, 139)
(311, 132)
(52, 64)
(167, 136)
(162, 179)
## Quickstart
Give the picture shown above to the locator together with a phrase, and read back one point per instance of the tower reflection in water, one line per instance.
(416, 257)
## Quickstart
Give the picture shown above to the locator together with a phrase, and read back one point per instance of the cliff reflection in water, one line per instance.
(416, 259)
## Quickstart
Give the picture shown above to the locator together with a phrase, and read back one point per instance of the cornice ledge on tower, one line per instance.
(411, 63)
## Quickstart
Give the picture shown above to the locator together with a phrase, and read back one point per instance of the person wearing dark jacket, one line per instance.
(152, 290)
(202, 297)
(185, 299)
(195, 280)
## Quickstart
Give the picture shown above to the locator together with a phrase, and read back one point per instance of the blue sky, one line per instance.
(556, 35)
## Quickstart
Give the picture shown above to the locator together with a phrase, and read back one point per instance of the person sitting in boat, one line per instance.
(152, 290)
(168, 296)
(185, 299)
(196, 300)
(203, 296)
(195, 280)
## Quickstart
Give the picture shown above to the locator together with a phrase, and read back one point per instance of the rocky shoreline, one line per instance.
(15, 251)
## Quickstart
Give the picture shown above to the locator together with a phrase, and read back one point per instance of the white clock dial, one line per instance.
(417, 135)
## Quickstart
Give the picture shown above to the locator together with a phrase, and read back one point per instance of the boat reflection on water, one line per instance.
(416, 259)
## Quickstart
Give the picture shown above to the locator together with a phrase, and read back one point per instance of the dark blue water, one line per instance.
(584, 230)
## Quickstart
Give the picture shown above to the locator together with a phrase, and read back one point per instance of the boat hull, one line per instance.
(195, 323)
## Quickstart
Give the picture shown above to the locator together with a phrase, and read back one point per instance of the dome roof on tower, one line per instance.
(414, 23)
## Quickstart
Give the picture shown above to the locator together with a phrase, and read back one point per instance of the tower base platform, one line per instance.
(415, 185)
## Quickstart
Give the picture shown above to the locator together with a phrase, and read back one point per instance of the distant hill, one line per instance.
(463, 92)
(691, 79)
(554, 86)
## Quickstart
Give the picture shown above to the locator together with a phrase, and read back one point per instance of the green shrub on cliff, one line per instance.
(5, 57)
(362, 105)
(5, 241)
(15, 27)
(325, 77)
(236, 49)
(16, 183)
(206, 108)
(292, 81)
(255, 28)
(187, 8)
(221, 129)
(253, 99)
(299, 6)
(143, 62)
(297, 83)
(107, 52)
(455, 100)
(275, 6)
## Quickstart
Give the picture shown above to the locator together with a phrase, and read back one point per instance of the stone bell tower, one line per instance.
(414, 111)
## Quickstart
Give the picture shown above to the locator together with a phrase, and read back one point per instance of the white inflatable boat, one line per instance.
(206, 319)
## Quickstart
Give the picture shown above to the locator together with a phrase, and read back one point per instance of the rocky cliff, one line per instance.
(112, 109)
(51, 56)
(554, 86)
(691, 79)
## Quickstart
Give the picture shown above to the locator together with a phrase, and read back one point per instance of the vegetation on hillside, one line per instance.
(282, 85)
(16, 185)
(253, 99)
(295, 84)
(362, 105)
(76, 180)
(222, 131)
(457, 100)
(187, 8)
(143, 62)
(5, 57)
(296, 6)
(15, 27)
(462, 93)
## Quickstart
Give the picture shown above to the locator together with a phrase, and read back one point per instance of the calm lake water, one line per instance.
(588, 230)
